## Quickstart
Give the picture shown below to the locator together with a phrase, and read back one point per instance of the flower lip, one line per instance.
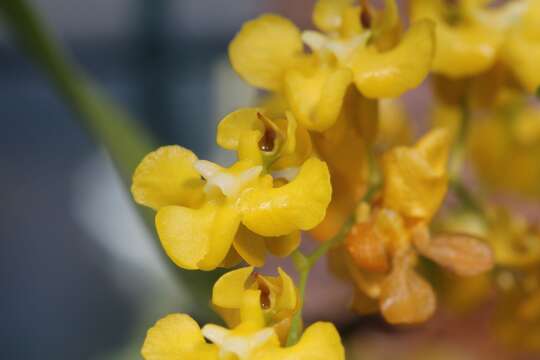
(229, 184)
(341, 48)
(241, 346)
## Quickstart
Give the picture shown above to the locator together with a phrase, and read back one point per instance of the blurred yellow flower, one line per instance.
(470, 34)
(508, 139)
(381, 250)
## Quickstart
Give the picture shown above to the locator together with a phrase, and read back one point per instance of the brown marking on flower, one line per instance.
(269, 137)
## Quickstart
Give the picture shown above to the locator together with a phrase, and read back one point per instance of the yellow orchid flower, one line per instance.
(515, 242)
(207, 215)
(279, 300)
(470, 34)
(380, 256)
(267, 53)
(178, 336)
(517, 311)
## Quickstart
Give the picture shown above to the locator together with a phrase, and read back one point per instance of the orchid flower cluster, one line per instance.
(328, 152)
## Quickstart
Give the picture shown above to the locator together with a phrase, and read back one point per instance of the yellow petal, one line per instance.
(391, 73)
(320, 341)
(287, 299)
(301, 151)
(176, 336)
(229, 288)
(298, 205)
(367, 247)
(248, 147)
(232, 126)
(231, 317)
(251, 314)
(462, 254)
(197, 238)
(416, 178)
(250, 246)
(406, 297)
(367, 282)
(328, 14)
(283, 246)
(522, 54)
(291, 131)
(263, 49)
(316, 94)
(167, 177)
(470, 48)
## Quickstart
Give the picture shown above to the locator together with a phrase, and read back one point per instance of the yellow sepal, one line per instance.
(229, 288)
(177, 336)
(263, 49)
(232, 126)
(167, 177)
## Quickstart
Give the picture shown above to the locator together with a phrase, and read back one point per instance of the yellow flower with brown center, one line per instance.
(279, 300)
(178, 336)
(210, 216)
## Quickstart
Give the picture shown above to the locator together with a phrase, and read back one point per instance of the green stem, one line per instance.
(304, 263)
(125, 140)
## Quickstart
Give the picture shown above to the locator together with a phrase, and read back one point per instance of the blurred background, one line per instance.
(81, 276)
